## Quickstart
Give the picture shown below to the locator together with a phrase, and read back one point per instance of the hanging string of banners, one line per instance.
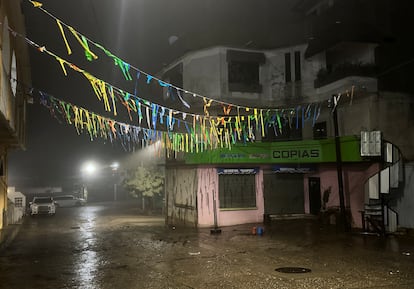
(125, 67)
(177, 131)
(129, 136)
(212, 131)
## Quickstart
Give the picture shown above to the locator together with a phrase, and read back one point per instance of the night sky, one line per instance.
(139, 32)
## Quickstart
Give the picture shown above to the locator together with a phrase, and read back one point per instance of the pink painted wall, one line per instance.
(208, 188)
(354, 178)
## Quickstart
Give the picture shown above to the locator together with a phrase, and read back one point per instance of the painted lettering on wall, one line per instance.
(296, 154)
(237, 171)
(294, 169)
(232, 156)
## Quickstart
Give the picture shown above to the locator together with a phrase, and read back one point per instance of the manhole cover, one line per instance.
(293, 270)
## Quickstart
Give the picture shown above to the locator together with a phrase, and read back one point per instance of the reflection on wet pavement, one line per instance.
(86, 264)
(111, 246)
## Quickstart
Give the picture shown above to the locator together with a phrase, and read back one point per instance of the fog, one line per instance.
(148, 34)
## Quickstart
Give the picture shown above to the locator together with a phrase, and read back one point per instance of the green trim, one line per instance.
(293, 152)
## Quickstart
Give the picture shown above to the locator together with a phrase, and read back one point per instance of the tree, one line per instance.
(146, 182)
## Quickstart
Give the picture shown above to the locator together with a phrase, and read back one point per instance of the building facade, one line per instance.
(297, 171)
(14, 80)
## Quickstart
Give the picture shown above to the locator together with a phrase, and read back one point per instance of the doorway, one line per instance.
(314, 185)
(283, 194)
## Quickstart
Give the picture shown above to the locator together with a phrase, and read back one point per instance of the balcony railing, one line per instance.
(326, 76)
(346, 21)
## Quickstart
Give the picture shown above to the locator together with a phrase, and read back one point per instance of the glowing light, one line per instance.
(89, 168)
(114, 166)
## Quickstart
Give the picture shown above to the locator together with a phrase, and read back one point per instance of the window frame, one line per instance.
(288, 68)
(320, 130)
(18, 202)
(248, 63)
(298, 66)
(246, 198)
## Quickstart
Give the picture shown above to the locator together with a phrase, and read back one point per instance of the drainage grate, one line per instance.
(293, 270)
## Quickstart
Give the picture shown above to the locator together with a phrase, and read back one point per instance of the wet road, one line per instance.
(110, 246)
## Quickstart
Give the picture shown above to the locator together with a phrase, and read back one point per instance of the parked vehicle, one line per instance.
(68, 201)
(42, 205)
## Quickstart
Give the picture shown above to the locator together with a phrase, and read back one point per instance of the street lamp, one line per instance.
(88, 169)
(114, 166)
(91, 169)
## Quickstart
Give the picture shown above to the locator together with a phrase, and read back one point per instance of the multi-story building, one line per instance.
(14, 85)
(367, 43)
(343, 71)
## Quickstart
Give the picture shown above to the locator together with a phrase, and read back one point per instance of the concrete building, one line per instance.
(294, 170)
(18, 205)
(14, 83)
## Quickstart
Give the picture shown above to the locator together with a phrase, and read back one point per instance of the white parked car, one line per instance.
(68, 201)
(42, 205)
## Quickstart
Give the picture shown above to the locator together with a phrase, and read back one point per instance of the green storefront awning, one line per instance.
(292, 152)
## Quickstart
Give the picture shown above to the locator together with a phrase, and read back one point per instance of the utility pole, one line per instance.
(334, 104)
(115, 175)
(115, 192)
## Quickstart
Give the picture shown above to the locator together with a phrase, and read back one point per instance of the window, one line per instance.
(319, 130)
(288, 72)
(18, 202)
(291, 130)
(244, 70)
(237, 191)
(298, 75)
(246, 73)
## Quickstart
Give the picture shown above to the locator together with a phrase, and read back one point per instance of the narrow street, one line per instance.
(111, 246)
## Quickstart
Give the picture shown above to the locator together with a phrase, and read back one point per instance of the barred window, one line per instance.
(237, 191)
(18, 202)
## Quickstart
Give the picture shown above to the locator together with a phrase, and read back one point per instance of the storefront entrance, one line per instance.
(314, 195)
(283, 193)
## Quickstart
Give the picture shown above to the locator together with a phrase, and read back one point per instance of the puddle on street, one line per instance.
(86, 264)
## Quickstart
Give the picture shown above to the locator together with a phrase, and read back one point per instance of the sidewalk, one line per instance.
(7, 235)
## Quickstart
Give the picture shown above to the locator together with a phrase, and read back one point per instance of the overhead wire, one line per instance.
(39, 5)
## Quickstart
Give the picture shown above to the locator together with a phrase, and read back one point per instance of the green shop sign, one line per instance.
(309, 151)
